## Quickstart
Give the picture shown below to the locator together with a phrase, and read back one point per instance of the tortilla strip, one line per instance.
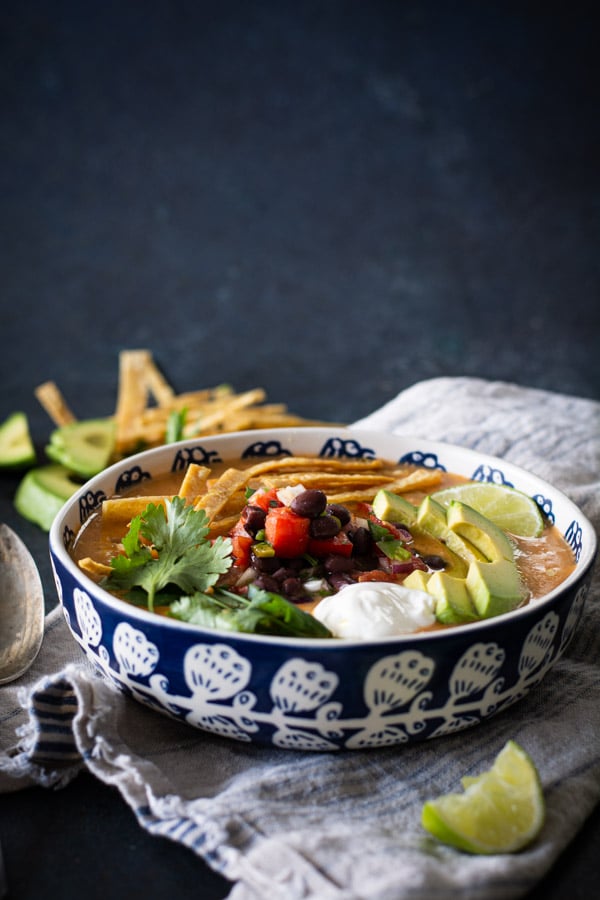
(132, 396)
(119, 511)
(220, 492)
(94, 568)
(329, 479)
(194, 402)
(194, 481)
(54, 403)
(230, 405)
(307, 462)
(157, 384)
(223, 526)
(421, 478)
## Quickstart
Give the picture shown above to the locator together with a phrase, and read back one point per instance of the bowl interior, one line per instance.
(335, 443)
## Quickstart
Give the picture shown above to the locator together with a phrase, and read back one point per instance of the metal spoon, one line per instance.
(21, 607)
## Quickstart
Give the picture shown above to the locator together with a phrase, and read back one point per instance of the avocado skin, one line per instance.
(42, 492)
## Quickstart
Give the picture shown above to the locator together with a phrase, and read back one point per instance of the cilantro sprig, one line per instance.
(261, 612)
(169, 546)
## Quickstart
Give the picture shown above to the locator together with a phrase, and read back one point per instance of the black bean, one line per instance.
(336, 563)
(340, 512)
(266, 564)
(366, 563)
(253, 519)
(324, 527)
(293, 587)
(310, 503)
(282, 573)
(339, 580)
(267, 583)
(362, 541)
(434, 562)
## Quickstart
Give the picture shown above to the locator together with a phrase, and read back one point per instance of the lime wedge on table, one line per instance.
(500, 811)
(508, 508)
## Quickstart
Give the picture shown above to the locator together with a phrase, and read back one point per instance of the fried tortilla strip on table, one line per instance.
(55, 404)
(216, 419)
(132, 397)
(157, 384)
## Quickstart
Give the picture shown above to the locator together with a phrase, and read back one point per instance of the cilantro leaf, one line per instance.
(262, 612)
(169, 545)
(175, 425)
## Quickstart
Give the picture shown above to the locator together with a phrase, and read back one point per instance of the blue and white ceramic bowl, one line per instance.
(306, 694)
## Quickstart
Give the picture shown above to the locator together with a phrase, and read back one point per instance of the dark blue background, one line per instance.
(331, 200)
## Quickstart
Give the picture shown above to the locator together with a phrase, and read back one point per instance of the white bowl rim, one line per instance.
(472, 628)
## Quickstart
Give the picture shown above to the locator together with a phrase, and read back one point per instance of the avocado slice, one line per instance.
(453, 602)
(390, 507)
(417, 580)
(494, 587)
(84, 447)
(479, 531)
(42, 492)
(431, 517)
(16, 447)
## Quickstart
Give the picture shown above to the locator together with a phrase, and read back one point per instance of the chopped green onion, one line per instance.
(262, 549)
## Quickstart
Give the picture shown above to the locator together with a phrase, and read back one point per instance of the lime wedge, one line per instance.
(508, 508)
(500, 811)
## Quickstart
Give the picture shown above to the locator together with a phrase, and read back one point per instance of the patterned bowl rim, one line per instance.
(303, 435)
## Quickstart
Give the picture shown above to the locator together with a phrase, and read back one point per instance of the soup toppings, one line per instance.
(310, 548)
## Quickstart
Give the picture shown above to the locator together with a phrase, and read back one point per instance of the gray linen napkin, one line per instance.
(343, 825)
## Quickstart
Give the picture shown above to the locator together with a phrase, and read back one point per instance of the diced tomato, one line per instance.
(378, 575)
(266, 499)
(340, 544)
(241, 543)
(286, 532)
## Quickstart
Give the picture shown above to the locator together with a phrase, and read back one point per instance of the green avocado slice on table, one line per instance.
(16, 447)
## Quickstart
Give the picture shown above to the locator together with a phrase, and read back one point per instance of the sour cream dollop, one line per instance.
(375, 609)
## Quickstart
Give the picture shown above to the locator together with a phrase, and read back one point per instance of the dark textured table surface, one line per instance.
(331, 200)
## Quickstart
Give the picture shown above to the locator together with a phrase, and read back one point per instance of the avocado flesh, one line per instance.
(481, 579)
(417, 580)
(16, 447)
(479, 531)
(453, 601)
(494, 587)
(84, 448)
(42, 493)
(431, 517)
(390, 507)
